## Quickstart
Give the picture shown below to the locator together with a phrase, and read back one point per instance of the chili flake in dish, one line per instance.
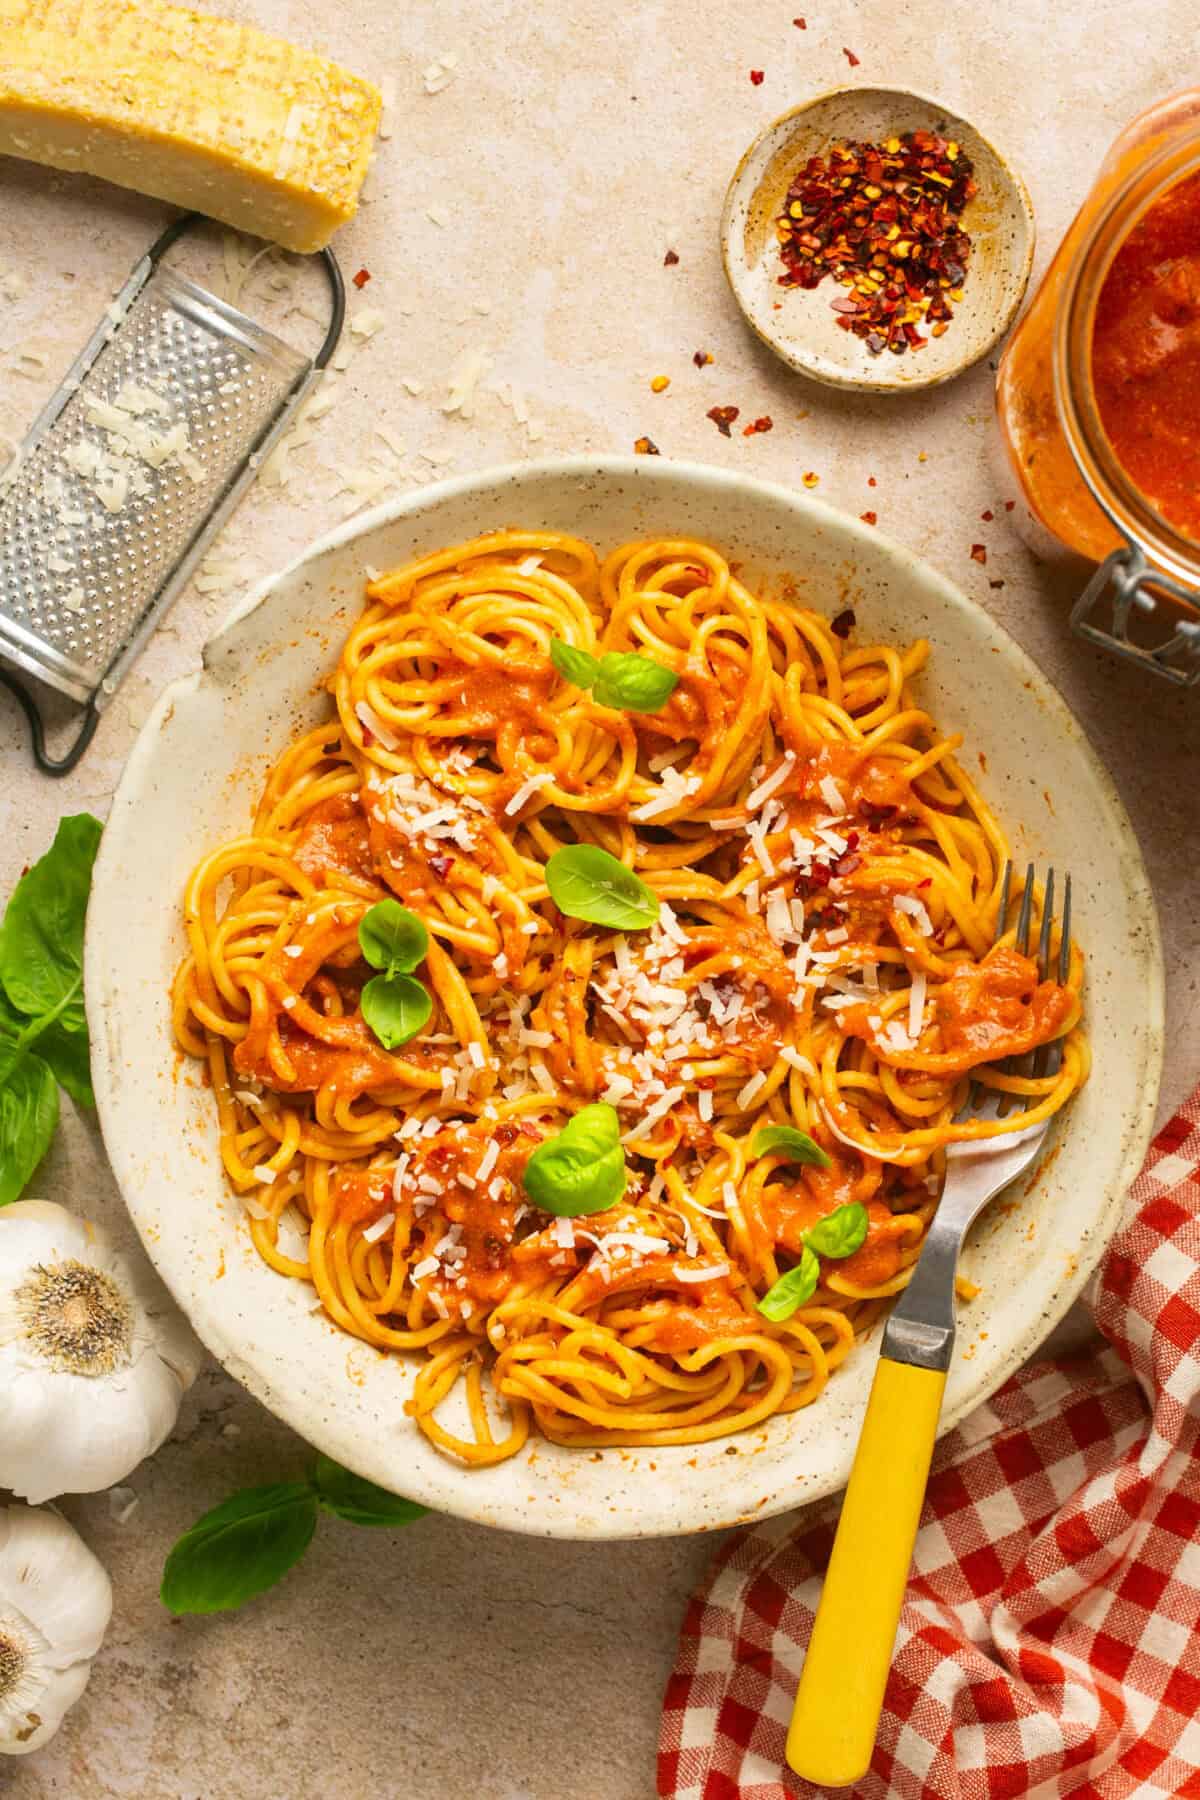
(885, 221)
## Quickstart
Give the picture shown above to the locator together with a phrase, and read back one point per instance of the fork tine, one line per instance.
(1064, 947)
(1025, 915)
(1005, 890)
(1043, 954)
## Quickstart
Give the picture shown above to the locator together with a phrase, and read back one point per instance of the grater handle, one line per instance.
(50, 765)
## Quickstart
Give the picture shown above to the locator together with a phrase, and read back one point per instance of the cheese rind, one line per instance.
(213, 116)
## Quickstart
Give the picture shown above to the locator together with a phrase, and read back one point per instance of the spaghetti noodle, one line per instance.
(828, 955)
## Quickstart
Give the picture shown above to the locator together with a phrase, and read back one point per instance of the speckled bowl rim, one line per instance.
(654, 1509)
(864, 384)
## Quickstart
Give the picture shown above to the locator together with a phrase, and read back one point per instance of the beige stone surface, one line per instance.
(576, 143)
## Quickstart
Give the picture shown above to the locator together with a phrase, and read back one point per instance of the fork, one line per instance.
(845, 1671)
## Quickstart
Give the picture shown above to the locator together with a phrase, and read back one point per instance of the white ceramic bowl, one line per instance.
(190, 782)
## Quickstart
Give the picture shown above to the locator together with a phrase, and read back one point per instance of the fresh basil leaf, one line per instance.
(578, 666)
(395, 1007)
(392, 938)
(41, 938)
(585, 882)
(12, 1025)
(841, 1232)
(240, 1548)
(68, 1054)
(785, 1140)
(633, 683)
(358, 1500)
(582, 1170)
(791, 1290)
(28, 1115)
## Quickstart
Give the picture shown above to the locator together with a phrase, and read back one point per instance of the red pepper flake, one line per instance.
(441, 865)
(843, 624)
(987, 516)
(884, 220)
(756, 76)
(928, 882)
(800, 24)
(1008, 505)
(995, 584)
(645, 446)
(722, 417)
(670, 259)
(850, 57)
(766, 423)
(869, 518)
(702, 358)
(871, 481)
(979, 553)
(362, 278)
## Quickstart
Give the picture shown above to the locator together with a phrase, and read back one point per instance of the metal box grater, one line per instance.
(128, 473)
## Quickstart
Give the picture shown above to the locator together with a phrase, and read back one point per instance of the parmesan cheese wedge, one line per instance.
(210, 115)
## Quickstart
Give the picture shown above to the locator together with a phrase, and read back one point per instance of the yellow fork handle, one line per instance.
(840, 1697)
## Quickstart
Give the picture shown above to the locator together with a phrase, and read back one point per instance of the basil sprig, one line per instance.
(43, 1031)
(620, 678)
(839, 1234)
(785, 1140)
(791, 1290)
(582, 1170)
(585, 882)
(395, 940)
(251, 1540)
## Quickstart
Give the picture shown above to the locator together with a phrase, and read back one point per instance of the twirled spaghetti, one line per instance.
(828, 954)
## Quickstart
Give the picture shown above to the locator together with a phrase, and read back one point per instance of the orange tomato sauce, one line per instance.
(1146, 356)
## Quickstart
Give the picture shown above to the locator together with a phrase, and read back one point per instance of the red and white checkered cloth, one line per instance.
(1049, 1640)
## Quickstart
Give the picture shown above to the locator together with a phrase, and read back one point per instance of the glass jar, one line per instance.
(1144, 599)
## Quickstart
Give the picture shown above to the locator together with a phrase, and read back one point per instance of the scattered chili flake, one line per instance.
(995, 584)
(841, 626)
(722, 417)
(756, 76)
(800, 24)
(869, 518)
(885, 221)
(362, 278)
(660, 384)
(701, 357)
(441, 865)
(646, 447)
(850, 57)
(978, 553)
(1008, 505)
(987, 516)
(871, 481)
(766, 423)
(670, 259)
(809, 479)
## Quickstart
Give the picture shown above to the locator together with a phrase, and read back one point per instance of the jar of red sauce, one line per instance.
(1098, 396)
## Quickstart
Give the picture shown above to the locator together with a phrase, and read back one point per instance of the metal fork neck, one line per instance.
(921, 1327)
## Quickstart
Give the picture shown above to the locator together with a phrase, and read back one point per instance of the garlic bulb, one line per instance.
(55, 1604)
(94, 1358)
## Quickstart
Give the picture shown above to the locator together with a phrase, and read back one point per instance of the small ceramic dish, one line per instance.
(800, 324)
